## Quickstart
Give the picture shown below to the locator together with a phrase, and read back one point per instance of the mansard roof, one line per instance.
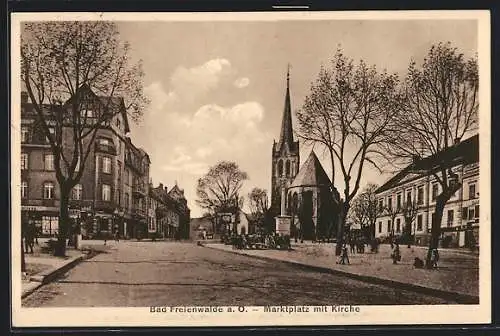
(466, 152)
(311, 173)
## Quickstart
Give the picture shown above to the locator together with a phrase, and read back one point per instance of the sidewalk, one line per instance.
(42, 267)
(457, 277)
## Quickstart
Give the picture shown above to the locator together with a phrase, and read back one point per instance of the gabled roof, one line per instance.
(465, 152)
(311, 173)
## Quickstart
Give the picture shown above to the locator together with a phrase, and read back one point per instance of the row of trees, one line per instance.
(362, 117)
(365, 211)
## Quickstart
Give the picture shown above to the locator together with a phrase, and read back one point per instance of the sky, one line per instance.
(217, 88)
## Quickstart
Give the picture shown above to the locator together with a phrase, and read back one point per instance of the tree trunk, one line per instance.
(436, 227)
(60, 249)
(344, 209)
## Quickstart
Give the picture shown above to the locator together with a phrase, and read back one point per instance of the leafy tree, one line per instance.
(78, 75)
(349, 111)
(440, 110)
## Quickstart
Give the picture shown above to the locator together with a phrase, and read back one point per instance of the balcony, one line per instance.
(139, 190)
(105, 148)
(107, 206)
(138, 212)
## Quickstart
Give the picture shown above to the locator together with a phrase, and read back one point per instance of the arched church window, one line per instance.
(280, 168)
(287, 168)
(295, 202)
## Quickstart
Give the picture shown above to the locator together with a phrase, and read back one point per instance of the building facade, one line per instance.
(113, 193)
(417, 185)
(167, 212)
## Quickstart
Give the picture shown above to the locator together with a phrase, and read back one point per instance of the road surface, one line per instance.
(144, 274)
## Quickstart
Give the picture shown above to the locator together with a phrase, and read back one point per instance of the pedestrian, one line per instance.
(396, 254)
(344, 255)
(434, 258)
(117, 236)
(352, 244)
(30, 237)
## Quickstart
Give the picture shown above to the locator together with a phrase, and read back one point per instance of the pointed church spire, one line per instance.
(286, 135)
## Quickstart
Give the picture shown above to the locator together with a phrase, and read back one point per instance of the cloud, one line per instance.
(199, 80)
(195, 120)
(241, 82)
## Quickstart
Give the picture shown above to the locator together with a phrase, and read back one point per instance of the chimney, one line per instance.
(166, 189)
(24, 97)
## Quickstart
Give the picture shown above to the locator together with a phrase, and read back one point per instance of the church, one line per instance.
(304, 193)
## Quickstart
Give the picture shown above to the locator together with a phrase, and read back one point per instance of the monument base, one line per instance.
(283, 224)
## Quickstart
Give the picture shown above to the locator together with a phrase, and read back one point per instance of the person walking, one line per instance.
(434, 258)
(396, 254)
(344, 255)
(352, 244)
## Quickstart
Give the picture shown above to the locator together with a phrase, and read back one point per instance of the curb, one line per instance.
(51, 274)
(447, 295)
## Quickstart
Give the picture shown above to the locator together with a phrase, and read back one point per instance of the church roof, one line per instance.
(286, 134)
(311, 173)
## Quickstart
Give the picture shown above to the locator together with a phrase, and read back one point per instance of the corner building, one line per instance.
(460, 222)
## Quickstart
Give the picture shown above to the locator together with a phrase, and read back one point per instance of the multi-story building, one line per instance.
(460, 222)
(167, 212)
(108, 196)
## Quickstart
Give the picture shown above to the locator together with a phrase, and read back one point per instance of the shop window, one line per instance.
(50, 225)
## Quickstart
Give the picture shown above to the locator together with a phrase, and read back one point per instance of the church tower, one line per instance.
(285, 155)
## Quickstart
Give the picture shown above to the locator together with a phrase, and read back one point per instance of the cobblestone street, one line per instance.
(133, 274)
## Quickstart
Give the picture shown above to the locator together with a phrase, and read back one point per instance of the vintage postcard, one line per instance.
(250, 169)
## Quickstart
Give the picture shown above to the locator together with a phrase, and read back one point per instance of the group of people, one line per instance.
(270, 241)
(30, 234)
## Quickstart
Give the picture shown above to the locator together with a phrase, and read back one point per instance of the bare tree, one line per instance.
(392, 212)
(349, 111)
(441, 109)
(78, 76)
(218, 190)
